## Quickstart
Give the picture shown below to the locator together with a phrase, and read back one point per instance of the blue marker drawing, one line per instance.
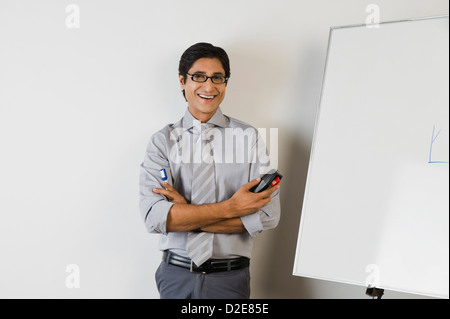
(433, 139)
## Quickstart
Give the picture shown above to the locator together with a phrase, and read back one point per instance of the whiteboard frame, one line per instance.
(307, 188)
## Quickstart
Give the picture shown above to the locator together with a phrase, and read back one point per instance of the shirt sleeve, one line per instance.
(265, 219)
(154, 207)
(269, 216)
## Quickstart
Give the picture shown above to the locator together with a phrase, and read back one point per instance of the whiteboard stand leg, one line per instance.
(374, 292)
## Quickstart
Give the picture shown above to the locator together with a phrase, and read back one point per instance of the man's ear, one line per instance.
(181, 77)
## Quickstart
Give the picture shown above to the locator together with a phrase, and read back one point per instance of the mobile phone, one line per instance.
(267, 180)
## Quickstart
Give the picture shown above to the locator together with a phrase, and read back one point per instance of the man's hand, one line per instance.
(171, 194)
(217, 217)
(244, 202)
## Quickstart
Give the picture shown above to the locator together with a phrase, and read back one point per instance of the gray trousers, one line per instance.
(174, 282)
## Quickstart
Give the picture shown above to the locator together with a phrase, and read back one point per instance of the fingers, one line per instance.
(266, 196)
(168, 186)
(170, 193)
(168, 189)
(161, 191)
(252, 183)
(268, 192)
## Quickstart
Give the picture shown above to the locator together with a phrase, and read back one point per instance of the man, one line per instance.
(205, 213)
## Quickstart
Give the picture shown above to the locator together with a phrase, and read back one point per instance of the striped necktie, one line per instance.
(200, 244)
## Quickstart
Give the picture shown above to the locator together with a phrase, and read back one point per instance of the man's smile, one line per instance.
(206, 97)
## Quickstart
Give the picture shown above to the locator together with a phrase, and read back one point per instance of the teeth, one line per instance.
(206, 97)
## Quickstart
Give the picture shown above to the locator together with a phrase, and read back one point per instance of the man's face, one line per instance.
(204, 98)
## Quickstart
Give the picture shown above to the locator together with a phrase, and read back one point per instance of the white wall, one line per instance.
(78, 106)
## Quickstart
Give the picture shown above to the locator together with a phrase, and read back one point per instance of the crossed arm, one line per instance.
(223, 217)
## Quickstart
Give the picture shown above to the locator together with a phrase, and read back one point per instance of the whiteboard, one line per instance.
(376, 205)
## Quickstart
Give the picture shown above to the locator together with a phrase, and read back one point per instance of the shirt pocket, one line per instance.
(230, 177)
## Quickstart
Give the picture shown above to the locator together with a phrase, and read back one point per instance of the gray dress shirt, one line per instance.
(239, 156)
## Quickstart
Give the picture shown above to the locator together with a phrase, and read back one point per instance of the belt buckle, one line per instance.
(194, 271)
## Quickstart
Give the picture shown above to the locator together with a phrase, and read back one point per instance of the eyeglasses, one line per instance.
(216, 79)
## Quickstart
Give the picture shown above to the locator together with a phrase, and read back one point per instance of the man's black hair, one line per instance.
(202, 50)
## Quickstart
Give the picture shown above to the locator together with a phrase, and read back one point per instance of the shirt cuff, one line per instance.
(252, 223)
(157, 217)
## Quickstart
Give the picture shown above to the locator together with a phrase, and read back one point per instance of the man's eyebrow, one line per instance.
(204, 73)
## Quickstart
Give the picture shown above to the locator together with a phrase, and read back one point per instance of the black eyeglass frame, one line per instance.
(208, 77)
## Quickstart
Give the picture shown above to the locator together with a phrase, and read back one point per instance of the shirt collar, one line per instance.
(190, 121)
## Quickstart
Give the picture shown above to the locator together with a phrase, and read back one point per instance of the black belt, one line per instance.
(211, 265)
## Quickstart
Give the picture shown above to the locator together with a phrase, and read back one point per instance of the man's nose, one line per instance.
(209, 86)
